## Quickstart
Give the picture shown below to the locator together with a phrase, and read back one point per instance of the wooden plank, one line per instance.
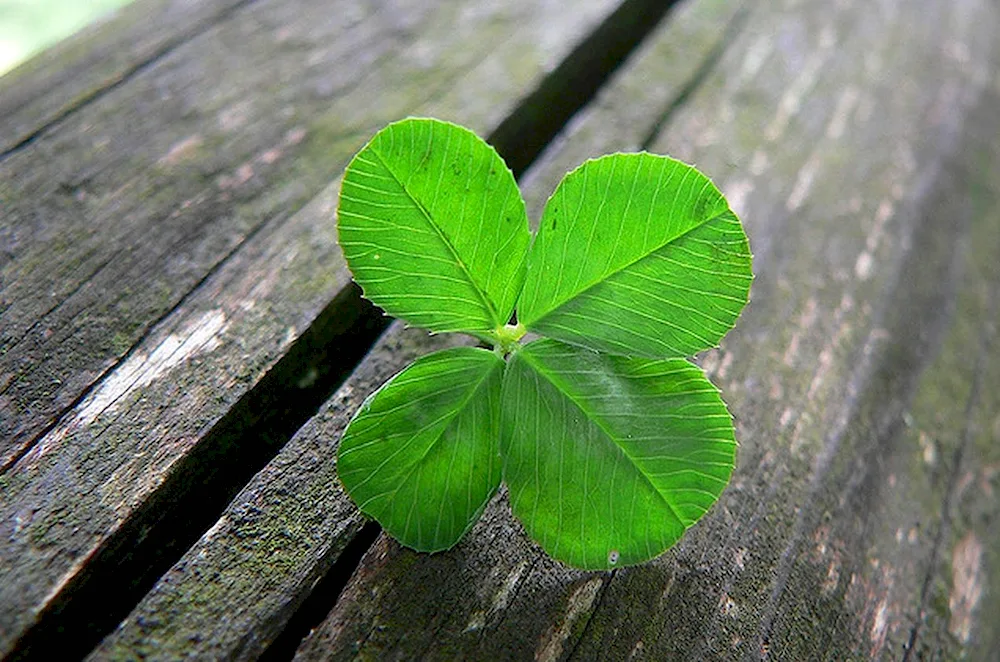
(952, 428)
(51, 85)
(860, 147)
(193, 215)
(267, 520)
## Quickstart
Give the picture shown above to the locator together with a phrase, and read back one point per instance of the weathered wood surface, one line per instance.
(73, 73)
(161, 257)
(860, 143)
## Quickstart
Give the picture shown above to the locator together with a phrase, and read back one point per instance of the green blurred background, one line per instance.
(30, 26)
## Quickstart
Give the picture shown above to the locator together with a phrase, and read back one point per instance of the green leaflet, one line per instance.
(612, 444)
(420, 456)
(609, 459)
(636, 254)
(433, 227)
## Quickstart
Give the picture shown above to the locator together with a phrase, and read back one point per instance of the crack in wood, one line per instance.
(328, 587)
(944, 526)
(888, 371)
(62, 417)
(733, 29)
(528, 130)
(602, 594)
(155, 535)
(54, 307)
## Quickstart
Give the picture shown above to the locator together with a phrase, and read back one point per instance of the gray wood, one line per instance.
(52, 85)
(162, 256)
(235, 589)
(860, 144)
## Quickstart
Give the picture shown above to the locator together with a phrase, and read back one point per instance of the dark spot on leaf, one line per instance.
(701, 206)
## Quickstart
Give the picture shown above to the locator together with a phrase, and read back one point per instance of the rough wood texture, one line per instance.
(159, 259)
(54, 84)
(279, 536)
(860, 144)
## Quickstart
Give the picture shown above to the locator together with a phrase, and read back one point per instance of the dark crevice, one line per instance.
(519, 140)
(540, 116)
(204, 482)
(58, 417)
(324, 594)
(733, 28)
(122, 78)
(63, 412)
(151, 327)
(595, 608)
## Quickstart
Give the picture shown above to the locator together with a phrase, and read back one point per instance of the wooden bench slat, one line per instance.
(952, 428)
(236, 274)
(235, 589)
(859, 143)
(117, 215)
(852, 142)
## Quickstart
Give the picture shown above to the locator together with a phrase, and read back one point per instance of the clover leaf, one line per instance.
(433, 227)
(610, 458)
(636, 254)
(421, 456)
(610, 441)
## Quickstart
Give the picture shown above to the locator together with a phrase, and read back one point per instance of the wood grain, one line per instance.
(51, 86)
(167, 245)
(112, 218)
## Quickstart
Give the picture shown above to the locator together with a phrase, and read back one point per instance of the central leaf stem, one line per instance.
(506, 337)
